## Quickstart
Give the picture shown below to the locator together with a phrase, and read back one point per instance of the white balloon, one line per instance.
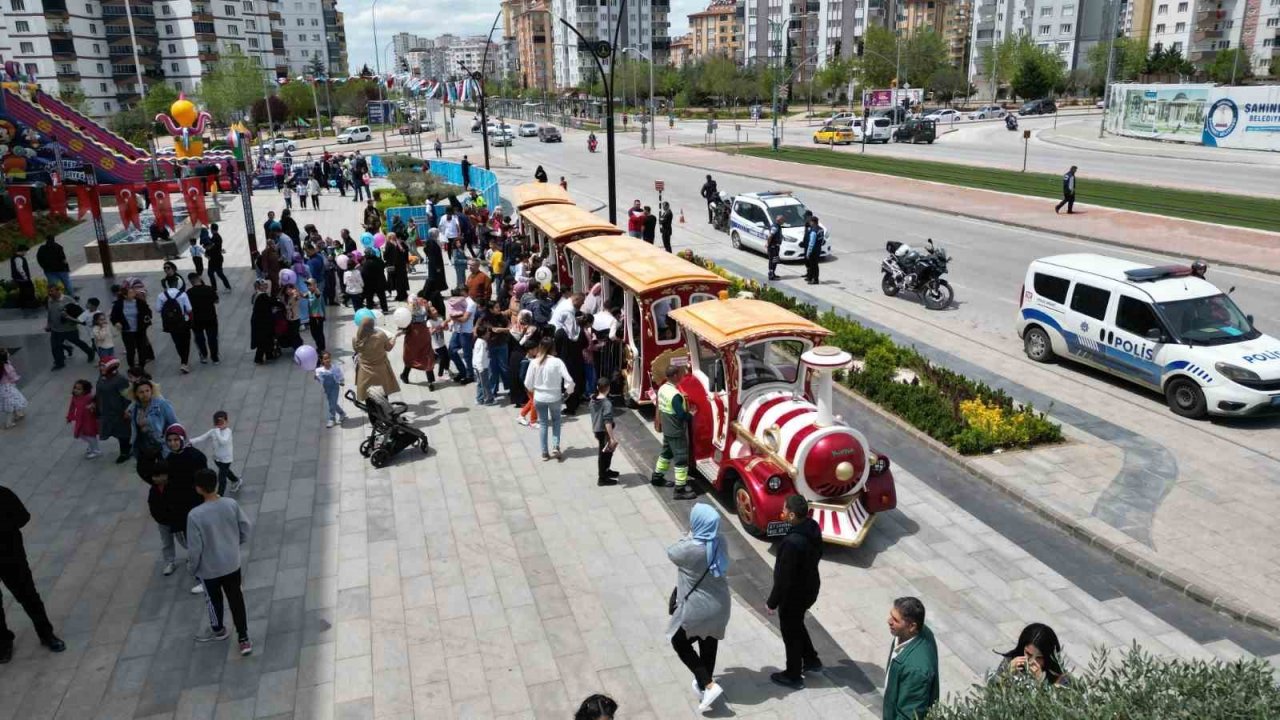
(342, 261)
(543, 275)
(402, 317)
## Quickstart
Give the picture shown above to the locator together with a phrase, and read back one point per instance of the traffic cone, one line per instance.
(681, 216)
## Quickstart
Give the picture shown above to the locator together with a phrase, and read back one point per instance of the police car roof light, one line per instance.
(1159, 272)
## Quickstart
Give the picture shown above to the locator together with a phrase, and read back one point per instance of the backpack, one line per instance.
(172, 319)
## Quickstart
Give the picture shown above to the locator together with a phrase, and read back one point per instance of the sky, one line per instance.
(423, 18)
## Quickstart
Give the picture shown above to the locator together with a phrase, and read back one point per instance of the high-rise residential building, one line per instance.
(1203, 28)
(918, 15)
(805, 34)
(681, 51)
(306, 35)
(336, 36)
(645, 28)
(106, 48)
(993, 22)
(467, 55)
(716, 31)
(955, 31)
(402, 43)
(536, 59)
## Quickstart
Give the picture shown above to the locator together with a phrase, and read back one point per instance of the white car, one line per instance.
(881, 130)
(502, 138)
(355, 134)
(988, 112)
(277, 145)
(1163, 328)
(842, 118)
(529, 129)
(944, 115)
(752, 214)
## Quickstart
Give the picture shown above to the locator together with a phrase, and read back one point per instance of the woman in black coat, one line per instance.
(262, 336)
(289, 226)
(436, 280)
(133, 328)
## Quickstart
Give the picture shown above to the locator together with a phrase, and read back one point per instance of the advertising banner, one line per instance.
(1234, 117)
(885, 98)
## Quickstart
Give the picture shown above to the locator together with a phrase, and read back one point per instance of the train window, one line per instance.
(709, 363)
(633, 310)
(772, 361)
(696, 298)
(666, 329)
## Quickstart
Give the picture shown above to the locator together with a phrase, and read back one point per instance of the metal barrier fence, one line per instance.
(377, 168)
(484, 181)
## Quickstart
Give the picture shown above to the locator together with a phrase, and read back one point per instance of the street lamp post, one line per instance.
(774, 113)
(604, 50)
(653, 128)
(478, 76)
(377, 59)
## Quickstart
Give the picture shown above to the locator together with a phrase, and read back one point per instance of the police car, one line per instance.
(751, 217)
(1164, 328)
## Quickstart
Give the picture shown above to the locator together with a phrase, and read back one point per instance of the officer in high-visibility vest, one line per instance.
(675, 411)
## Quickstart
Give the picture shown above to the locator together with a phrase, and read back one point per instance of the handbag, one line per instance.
(671, 602)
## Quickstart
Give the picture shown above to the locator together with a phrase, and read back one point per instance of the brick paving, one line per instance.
(476, 582)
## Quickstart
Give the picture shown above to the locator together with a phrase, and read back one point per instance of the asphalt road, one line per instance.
(987, 272)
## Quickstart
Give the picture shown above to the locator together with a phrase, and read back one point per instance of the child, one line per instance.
(197, 251)
(602, 426)
(436, 325)
(83, 417)
(103, 338)
(330, 378)
(288, 195)
(302, 195)
(313, 189)
(315, 313)
(223, 452)
(12, 402)
(353, 282)
(529, 413)
(216, 528)
(480, 364)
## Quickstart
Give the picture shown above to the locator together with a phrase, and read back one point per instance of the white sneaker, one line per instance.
(169, 568)
(198, 589)
(92, 454)
(328, 424)
(523, 420)
(709, 697)
(697, 690)
(234, 487)
(535, 426)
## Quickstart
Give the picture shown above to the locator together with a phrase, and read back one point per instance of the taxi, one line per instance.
(833, 134)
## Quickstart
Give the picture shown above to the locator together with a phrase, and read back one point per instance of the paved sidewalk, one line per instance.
(1217, 243)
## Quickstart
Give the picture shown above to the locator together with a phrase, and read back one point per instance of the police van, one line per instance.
(752, 215)
(1162, 327)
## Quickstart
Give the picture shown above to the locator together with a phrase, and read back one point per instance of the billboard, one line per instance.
(1236, 117)
(885, 98)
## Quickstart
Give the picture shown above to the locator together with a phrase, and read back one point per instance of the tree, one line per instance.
(233, 85)
(835, 75)
(717, 78)
(1162, 61)
(134, 125)
(1000, 60)
(879, 57)
(353, 96)
(1038, 72)
(279, 112)
(948, 83)
(74, 96)
(159, 97)
(316, 68)
(1128, 58)
(365, 72)
(297, 98)
(1274, 69)
(1231, 66)
(922, 54)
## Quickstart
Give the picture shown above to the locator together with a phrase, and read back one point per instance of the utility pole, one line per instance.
(605, 50)
(1111, 58)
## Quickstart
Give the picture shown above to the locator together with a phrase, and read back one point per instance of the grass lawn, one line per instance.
(1238, 210)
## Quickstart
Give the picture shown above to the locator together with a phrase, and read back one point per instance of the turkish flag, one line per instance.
(87, 201)
(127, 202)
(57, 198)
(194, 200)
(159, 192)
(22, 203)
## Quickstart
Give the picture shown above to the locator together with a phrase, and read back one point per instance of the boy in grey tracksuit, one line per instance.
(216, 528)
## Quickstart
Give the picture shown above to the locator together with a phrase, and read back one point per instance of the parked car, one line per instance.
(548, 133)
(842, 118)
(838, 134)
(426, 126)
(917, 130)
(528, 129)
(944, 115)
(355, 134)
(881, 130)
(988, 112)
(277, 144)
(1043, 106)
(410, 129)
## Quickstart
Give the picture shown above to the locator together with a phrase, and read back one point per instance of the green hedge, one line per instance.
(1135, 686)
(11, 237)
(968, 415)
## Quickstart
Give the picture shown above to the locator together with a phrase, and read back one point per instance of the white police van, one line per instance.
(752, 215)
(1161, 327)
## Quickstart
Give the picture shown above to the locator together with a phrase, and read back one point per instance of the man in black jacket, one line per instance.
(52, 259)
(16, 575)
(204, 318)
(795, 589)
(774, 246)
(466, 173)
(1068, 192)
(710, 193)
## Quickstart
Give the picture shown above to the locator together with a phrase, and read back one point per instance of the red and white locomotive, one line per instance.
(764, 426)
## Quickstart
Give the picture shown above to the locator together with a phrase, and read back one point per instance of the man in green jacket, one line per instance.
(911, 687)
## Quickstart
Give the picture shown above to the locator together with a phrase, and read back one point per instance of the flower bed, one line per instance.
(967, 415)
(46, 224)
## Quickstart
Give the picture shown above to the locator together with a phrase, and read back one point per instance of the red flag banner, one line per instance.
(87, 201)
(194, 200)
(22, 203)
(127, 202)
(159, 192)
(57, 198)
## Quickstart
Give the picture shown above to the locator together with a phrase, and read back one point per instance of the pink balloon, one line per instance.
(358, 255)
(379, 240)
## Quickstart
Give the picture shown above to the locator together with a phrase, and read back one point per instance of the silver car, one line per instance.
(988, 112)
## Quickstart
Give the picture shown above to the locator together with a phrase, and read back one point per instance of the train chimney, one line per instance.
(823, 361)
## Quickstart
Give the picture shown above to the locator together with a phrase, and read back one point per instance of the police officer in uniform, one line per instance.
(675, 412)
(1068, 192)
(774, 245)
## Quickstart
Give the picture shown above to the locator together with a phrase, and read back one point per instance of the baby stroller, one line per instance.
(389, 433)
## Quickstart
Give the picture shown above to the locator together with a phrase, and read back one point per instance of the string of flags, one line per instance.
(449, 91)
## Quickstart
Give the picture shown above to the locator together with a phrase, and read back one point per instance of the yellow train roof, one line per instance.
(530, 195)
(560, 221)
(639, 266)
(732, 321)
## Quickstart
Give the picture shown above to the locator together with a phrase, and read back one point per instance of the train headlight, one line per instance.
(774, 483)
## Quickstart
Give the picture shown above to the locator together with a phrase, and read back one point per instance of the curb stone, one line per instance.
(1144, 565)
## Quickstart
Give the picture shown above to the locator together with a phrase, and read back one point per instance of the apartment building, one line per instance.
(645, 28)
(680, 51)
(110, 49)
(534, 50)
(716, 31)
(469, 53)
(919, 15)
(1203, 28)
(955, 31)
(306, 36)
(402, 43)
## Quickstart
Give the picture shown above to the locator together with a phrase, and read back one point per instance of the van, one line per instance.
(355, 134)
(548, 133)
(1164, 328)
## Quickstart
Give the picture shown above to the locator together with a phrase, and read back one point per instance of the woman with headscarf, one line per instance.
(111, 404)
(270, 265)
(419, 353)
(700, 603)
(540, 175)
(521, 337)
(373, 364)
(396, 255)
(262, 336)
(436, 282)
(289, 226)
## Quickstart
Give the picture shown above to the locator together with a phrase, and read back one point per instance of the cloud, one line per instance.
(423, 18)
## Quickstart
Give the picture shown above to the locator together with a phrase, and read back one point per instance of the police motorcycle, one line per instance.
(720, 212)
(1011, 121)
(906, 269)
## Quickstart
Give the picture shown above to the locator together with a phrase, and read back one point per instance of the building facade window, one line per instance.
(18, 5)
(26, 48)
(1162, 10)
(1068, 11)
(1064, 28)
(22, 26)
(1182, 7)
(1044, 29)
(1180, 27)
(1160, 29)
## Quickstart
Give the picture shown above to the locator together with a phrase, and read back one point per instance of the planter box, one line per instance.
(179, 241)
